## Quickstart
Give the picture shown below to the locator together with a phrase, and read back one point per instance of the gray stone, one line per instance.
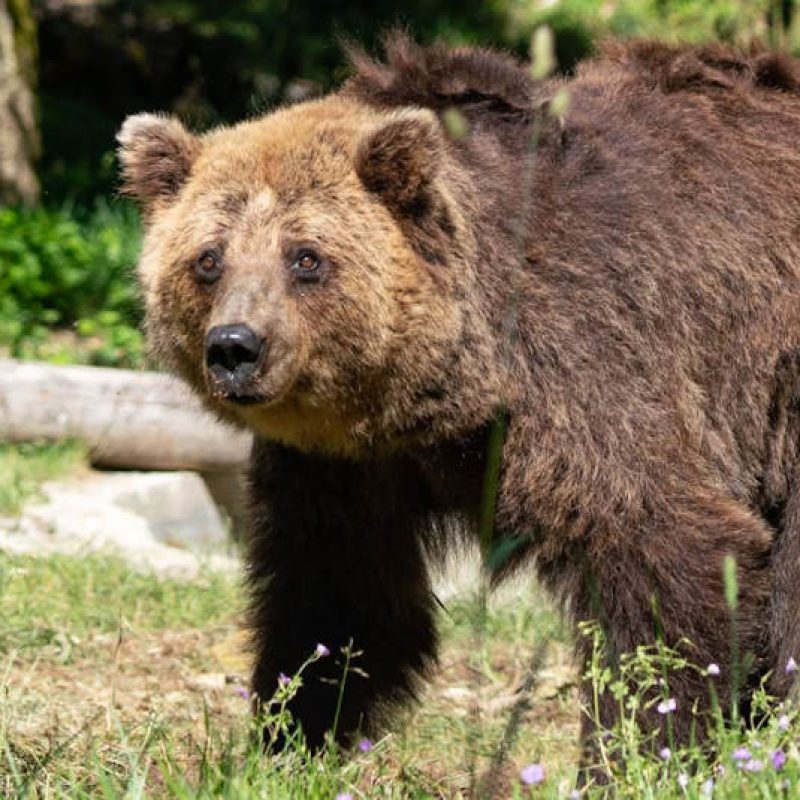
(177, 507)
(159, 521)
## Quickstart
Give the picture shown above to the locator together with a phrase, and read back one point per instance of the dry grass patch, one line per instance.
(132, 699)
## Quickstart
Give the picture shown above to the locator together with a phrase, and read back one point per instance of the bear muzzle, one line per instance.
(233, 355)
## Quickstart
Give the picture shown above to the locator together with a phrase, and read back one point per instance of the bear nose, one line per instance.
(232, 353)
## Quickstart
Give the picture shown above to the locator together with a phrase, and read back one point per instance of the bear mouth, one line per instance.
(245, 399)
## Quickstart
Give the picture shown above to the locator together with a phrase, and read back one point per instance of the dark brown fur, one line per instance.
(629, 294)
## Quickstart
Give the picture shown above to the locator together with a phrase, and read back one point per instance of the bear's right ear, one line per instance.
(156, 153)
(400, 158)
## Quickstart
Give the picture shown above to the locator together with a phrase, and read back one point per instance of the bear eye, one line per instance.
(306, 261)
(306, 264)
(208, 266)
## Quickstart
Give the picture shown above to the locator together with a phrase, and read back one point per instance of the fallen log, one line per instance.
(129, 420)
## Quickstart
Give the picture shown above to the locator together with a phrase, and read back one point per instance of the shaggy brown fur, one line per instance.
(629, 295)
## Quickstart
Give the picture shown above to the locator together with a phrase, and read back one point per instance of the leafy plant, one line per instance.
(70, 271)
(579, 25)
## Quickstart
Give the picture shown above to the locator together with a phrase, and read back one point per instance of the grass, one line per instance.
(59, 604)
(116, 684)
(24, 467)
(119, 684)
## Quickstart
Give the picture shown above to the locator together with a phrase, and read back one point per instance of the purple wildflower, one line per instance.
(741, 754)
(683, 780)
(667, 706)
(575, 794)
(344, 796)
(532, 774)
(284, 679)
(365, 745)
(753, 765)
(791, 666)
(322, 651)
(783, 722)
(242, 692)
(713, 670)
(665, 753)
(778, 759)
(707, 788)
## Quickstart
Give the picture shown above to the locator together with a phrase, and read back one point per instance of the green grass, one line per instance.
(119, 684)
(24, 467)
(96, 700)
(50, 601)
(98, 673)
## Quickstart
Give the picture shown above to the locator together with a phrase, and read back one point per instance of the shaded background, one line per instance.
(220, 60)
(67, 243)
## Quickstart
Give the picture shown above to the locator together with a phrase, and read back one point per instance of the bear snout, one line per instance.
(233, 355)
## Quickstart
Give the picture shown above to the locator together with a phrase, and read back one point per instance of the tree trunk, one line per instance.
(787, 13)
(780, 20)
(128, 420)
(19, 134)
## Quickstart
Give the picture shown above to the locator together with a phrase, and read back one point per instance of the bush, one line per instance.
(70, 272)
(579, 25)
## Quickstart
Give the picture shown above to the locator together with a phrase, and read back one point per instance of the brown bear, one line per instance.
(616, 289)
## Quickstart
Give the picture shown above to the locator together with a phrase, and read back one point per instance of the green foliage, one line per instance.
(742, 758)
(70, 272)
(224, 764)
(508, 621)
(580, 24)
(78, 161)
(206, 60)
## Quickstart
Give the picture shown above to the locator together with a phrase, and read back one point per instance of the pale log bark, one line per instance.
(131, 420)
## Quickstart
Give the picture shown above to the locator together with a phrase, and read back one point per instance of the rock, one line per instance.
(177, 506)
(173, 508)
(229, 492)
(160, 521)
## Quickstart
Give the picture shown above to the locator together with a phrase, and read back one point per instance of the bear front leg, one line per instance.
(334, 558)
(662, 579)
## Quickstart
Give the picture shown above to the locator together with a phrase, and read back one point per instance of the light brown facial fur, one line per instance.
(341, 181)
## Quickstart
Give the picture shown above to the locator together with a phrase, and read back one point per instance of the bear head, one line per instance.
(310, 272)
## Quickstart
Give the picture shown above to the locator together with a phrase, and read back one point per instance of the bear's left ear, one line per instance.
(399, 160)
(156, 153)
